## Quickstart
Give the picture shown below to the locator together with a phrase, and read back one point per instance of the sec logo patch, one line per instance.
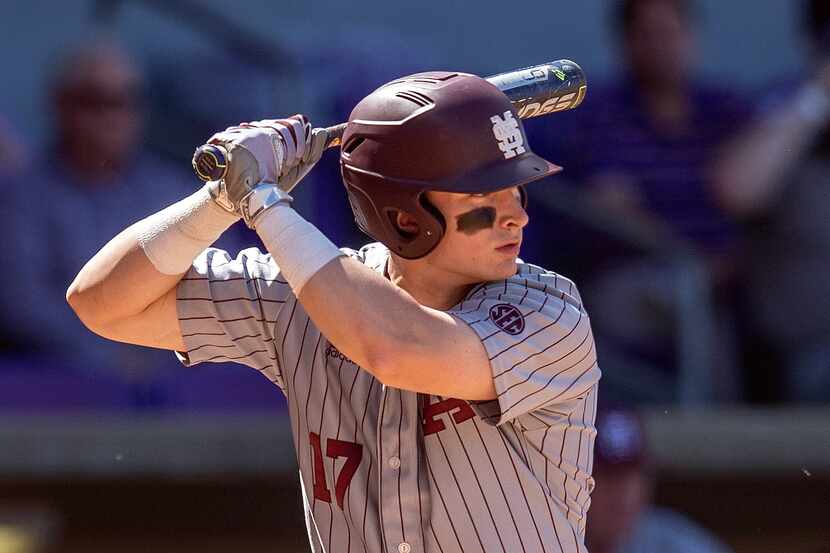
(508, 318)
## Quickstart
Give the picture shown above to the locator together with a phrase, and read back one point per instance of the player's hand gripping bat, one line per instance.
(538, 90)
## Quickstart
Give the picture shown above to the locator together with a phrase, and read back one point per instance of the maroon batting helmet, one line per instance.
(452, 132)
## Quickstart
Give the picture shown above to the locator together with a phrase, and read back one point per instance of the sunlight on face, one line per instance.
(483, 234)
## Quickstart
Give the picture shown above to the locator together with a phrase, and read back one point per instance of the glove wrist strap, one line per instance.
(257, 201)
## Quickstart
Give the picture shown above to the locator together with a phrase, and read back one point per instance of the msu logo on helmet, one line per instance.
(508, 135)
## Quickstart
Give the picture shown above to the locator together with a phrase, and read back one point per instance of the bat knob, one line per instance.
(210, 162)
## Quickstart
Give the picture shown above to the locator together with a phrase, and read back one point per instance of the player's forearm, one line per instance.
(146, 260)
(118, 282)
(751, 170)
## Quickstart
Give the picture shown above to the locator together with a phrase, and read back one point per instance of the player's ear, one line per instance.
(406, 223)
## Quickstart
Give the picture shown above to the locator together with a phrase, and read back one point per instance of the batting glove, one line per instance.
(264, 156)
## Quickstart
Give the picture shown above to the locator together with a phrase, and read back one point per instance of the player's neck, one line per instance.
(429, 285)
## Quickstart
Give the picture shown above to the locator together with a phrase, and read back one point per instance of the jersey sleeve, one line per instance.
(539, 341)
(228, 308)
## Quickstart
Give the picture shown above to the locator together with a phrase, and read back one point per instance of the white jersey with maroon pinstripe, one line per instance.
(389, 470)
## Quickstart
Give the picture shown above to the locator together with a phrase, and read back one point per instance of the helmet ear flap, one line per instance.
(376, 204)
(431, 227)
(432, 210)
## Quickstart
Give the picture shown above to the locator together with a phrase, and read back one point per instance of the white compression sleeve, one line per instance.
(297, 246)
(173, 237)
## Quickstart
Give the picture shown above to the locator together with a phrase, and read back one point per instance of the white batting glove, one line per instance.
(263, 155)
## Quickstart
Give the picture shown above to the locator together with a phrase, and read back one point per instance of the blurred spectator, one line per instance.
(621, 518)
(91, 180)
(642, 149)
(775, 178)
(13, 154)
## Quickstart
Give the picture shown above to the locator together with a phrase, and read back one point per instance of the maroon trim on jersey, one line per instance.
(247, 318)
(366, 499)
(234, 358)
(383, 396)
(340, 484)
(202, 334)
(320, 430)
(371, 458)
(218, 346)
(201, 318)
(400, 501)
(232, 299)
(247, 336)
(435, 536)
(418, 485)
(354, 439)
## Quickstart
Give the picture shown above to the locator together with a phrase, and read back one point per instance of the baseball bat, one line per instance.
(537, 90)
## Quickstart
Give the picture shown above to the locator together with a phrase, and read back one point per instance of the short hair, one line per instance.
(625, 12)
(816, 21)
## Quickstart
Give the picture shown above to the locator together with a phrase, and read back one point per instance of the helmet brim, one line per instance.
(527, 168)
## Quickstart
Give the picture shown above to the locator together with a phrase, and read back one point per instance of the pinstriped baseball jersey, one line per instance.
(384, 469)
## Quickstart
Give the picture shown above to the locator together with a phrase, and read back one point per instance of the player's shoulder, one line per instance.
(530, 285)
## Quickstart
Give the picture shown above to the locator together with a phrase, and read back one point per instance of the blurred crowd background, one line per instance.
(693, 211)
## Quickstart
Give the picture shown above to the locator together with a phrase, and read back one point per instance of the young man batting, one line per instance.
(441, 392)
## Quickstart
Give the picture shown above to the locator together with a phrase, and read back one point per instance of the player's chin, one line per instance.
(503, 269)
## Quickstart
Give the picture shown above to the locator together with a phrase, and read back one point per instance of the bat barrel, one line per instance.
(541, 89)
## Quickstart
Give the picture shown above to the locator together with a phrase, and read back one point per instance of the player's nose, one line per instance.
(513, 214)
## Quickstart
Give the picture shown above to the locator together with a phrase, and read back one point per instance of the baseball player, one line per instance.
(441, 392)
